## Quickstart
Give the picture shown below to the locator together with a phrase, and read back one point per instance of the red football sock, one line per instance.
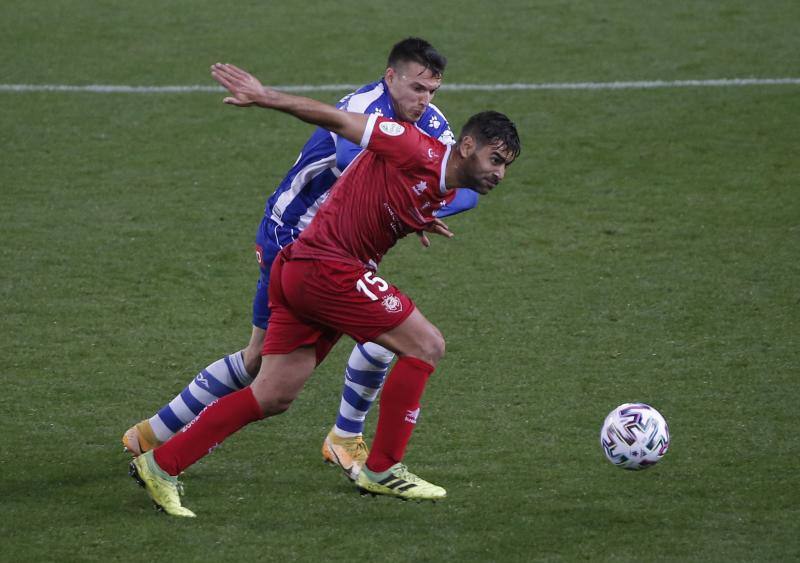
(215, 423)
(398, 412)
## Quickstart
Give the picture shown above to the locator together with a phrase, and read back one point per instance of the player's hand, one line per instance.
(437, 227)
(245, 88)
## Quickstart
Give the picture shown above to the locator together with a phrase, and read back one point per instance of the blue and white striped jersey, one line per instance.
(304, 188)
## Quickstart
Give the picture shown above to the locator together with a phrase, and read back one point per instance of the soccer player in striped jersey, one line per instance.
(413, 74)
(325, 285)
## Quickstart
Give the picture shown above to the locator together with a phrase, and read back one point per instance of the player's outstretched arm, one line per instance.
(246, 90)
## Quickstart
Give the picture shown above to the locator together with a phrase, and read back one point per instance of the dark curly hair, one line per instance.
(489, 127)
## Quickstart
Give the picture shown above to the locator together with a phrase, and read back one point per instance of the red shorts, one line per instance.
(314, 302)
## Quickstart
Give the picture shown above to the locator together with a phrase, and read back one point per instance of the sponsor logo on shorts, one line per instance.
(392, 128)
(392, 304)
(411, 416)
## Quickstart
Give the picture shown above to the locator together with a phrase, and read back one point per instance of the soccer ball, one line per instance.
(634, 436)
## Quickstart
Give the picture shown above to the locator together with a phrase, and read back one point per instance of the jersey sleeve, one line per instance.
(401, 143)
(345, 152)
(435, 124)
(366, 99)
(461, 199)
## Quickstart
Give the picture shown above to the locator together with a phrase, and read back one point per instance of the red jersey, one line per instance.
(390, 190)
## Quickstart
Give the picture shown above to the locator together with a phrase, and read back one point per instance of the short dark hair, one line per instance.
(416, 50)
(490, 127)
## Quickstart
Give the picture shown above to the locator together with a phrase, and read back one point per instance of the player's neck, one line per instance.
(452, 172)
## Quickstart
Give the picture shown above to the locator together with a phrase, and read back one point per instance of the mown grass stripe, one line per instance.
(624, 85)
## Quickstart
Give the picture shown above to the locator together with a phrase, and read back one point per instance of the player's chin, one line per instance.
(488, 186)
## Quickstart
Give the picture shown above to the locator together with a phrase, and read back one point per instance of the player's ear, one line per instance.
(389, 75)
(466, 146)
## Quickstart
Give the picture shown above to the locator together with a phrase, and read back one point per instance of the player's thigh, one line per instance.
(344, 298)
(261, 311)
(416, 336)
(252, 353)
(287, 331)
(281, 379)
(266, 253)
(256, 339)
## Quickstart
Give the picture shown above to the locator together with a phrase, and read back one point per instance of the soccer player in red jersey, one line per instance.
(324, 284)
(413, 74)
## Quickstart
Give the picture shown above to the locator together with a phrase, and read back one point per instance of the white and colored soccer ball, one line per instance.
(634, 436)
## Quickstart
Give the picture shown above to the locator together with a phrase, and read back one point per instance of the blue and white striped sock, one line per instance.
(221, 378)
(363, 378)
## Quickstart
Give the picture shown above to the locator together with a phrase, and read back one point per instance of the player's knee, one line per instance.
(252, 359)
(276, 405)
(432, 347)
(438, 347)
(271, 399)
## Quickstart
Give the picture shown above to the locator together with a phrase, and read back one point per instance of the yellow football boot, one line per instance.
(162, 488)
(398, 481)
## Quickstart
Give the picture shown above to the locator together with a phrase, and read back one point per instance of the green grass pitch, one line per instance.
(644, 247)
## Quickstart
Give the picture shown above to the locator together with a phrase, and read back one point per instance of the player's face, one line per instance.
(485, 166)
(411, 87)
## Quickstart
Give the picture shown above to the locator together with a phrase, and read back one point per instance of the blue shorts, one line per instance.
(269, 241)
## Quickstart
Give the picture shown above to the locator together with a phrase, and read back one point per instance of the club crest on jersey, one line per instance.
(392, 304)
(392, 128)
(419, 188)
